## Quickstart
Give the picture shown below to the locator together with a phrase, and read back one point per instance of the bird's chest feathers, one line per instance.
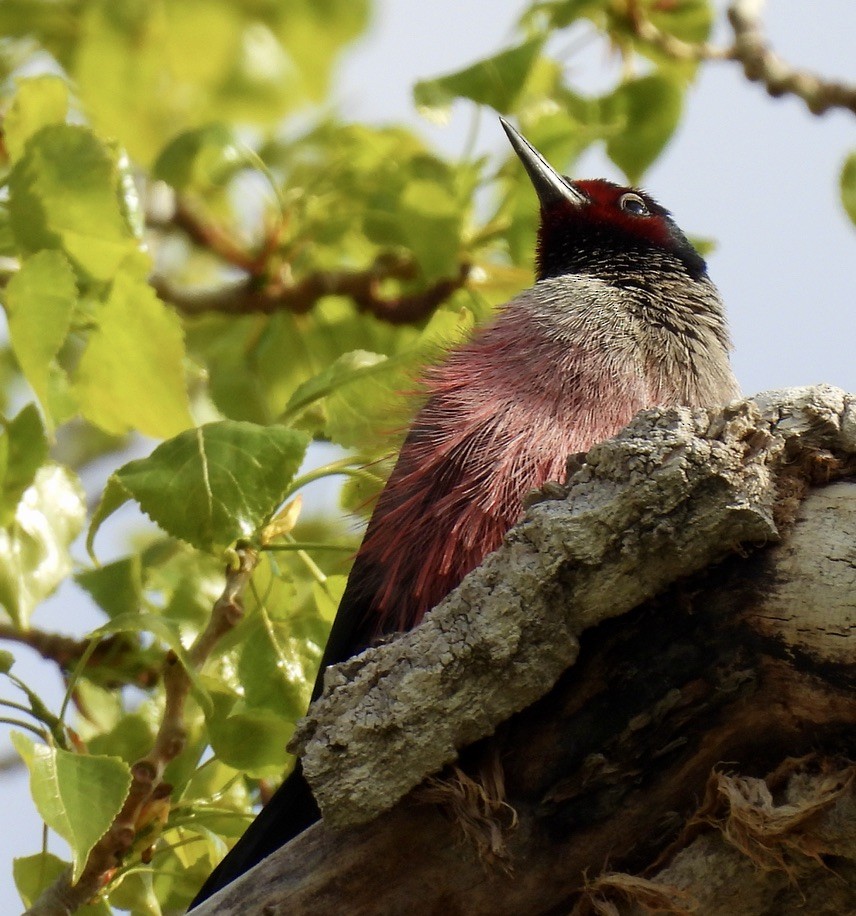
(506, 432)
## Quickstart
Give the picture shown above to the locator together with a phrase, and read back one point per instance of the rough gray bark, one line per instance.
(744, 661)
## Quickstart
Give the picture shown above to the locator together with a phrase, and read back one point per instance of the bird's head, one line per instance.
(601, 229)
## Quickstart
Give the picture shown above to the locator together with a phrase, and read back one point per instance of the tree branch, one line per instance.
(125, 659)
(147, 773)
(299, 296)
(668, 44)
(263, 294)
(751, 50)
(761, 64)
(215, 239)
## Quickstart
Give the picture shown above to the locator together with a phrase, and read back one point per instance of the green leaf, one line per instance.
(34, 874)
(23, 449)
(203, 158)
(104, 707)
(276, 663)
(112, 498)
(34, 548)
(433, 220)
(346, 368)
(448, 326)
(131, 738)
(369, 412)
(76, 795)
(8, 245)
(66, 192)
(38, 101)
(211, 485)
(253, 740)
(561, 13)
(40, 300)
(848, 186)
(689, 20)
(357, 400)
(212, 779)
(649, 110)
(496, 81)
(272, 657)
(134, 890)
(117, 587)
(358, 495)
(131, 374)
(347, 399)
(189, 582)
(130, 204)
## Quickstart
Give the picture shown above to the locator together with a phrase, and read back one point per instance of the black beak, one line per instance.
(549, 185)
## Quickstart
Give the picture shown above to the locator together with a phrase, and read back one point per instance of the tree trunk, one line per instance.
(642, 702)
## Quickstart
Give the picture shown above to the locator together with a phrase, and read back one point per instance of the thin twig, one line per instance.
(65, 651)
(298, 297)
(209, 235)
(750, 49)
(147, 773)
(761, 64)
(671, 45)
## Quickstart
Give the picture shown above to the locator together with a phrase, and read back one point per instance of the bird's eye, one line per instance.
(633, 204)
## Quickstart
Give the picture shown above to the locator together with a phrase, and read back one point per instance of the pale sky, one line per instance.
(757, 175)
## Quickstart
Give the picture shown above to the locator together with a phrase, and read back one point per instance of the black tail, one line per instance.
(291, 810)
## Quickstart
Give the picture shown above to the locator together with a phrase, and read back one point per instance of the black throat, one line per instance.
(599, 251)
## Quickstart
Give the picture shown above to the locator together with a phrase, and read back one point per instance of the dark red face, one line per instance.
(616, 225)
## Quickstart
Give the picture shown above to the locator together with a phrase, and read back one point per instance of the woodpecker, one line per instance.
(622, 316)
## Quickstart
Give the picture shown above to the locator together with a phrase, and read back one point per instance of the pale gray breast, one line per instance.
(675, 337)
